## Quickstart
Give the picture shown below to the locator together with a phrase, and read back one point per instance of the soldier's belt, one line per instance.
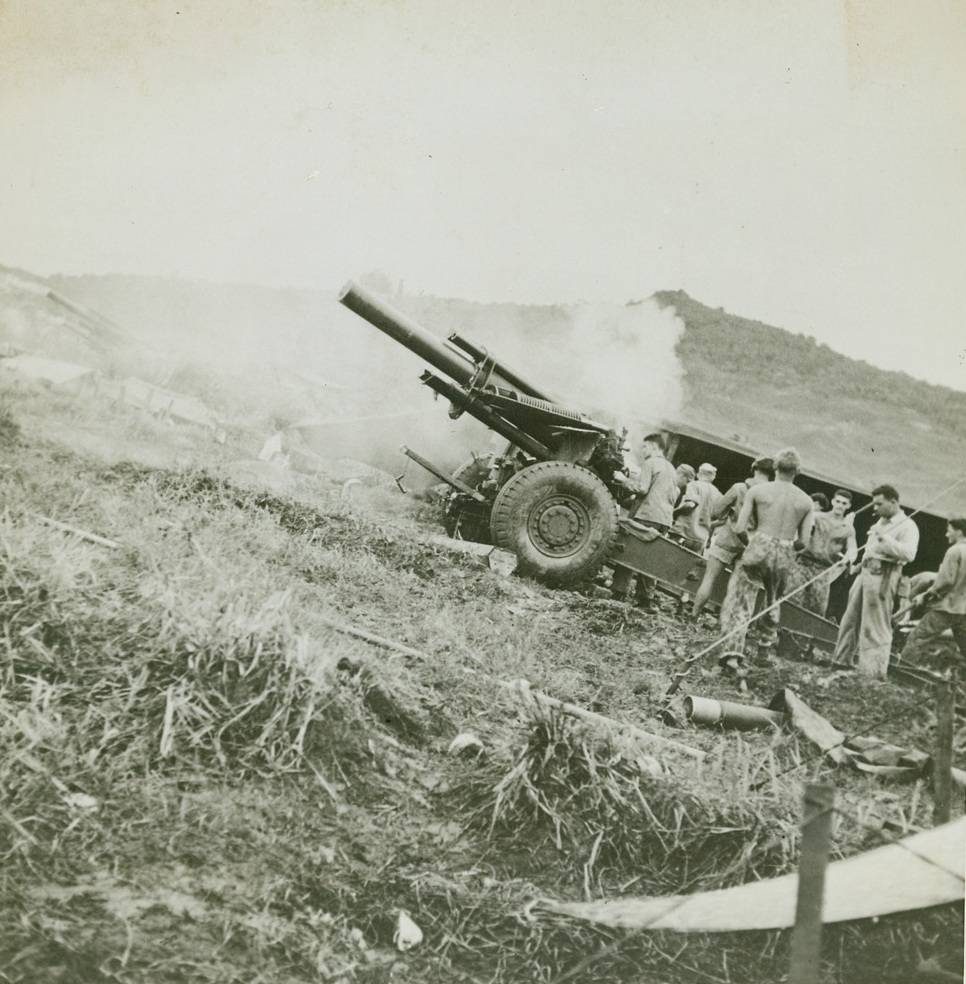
(877, 565)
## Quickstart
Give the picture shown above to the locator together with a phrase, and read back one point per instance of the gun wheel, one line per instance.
(558, 518)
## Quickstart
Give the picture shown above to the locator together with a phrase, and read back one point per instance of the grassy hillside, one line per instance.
(766, 387)
(205, 778)
(216, 317)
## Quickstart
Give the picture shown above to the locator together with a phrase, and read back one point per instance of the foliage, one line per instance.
(746, 351)
(767, 388)
(201, 779)
(607, 812)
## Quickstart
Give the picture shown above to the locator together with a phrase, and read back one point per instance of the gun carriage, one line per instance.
(553, 494)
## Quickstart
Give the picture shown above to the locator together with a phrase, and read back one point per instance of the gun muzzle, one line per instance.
(398, 326)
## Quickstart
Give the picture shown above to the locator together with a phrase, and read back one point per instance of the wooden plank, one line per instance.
(919, 872)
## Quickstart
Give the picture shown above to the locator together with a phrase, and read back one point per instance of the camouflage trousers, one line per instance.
(814, 597)
(930, 630)
(766, 567)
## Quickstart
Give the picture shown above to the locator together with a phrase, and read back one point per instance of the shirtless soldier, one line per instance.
(831, 548)
(781, 515)
(725, 547)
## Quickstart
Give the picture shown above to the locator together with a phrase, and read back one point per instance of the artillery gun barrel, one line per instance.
(478, 409)
(382, 315)
(511, 376)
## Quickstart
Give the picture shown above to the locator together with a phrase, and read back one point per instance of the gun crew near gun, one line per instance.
(776, 553)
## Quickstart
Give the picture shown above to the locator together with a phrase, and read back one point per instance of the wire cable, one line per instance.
(895, 842)
(738, 630)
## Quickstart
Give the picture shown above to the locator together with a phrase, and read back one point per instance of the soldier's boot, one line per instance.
(642, 597)
(765, 654)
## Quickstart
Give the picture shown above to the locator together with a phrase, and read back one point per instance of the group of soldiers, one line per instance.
(779, 542)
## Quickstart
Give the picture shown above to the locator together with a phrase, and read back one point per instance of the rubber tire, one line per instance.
(520, 521)
(472, 521)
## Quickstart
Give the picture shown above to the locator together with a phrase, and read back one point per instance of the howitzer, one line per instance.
(552, 496)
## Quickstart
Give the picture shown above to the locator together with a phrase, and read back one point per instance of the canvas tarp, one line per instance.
(923, 870)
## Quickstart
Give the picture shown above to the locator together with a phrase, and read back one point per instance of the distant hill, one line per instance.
(750, 382)
(767, 387)
(36, 318)
(213, 322)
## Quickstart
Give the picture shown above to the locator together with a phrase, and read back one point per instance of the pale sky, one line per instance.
(796, 161)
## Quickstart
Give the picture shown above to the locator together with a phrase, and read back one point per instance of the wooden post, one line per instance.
(942, 774)
(807, 935)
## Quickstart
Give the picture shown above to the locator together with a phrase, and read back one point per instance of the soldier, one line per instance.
(694, 513)
(683, 475)
(781, 515)
(725, 546)
(656, 490)
(865, 634)
(945, 599)
(831, 547)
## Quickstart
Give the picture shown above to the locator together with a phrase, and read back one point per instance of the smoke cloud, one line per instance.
(617, 363)
(299, 357)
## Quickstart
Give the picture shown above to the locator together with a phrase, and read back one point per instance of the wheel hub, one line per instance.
(557, 525)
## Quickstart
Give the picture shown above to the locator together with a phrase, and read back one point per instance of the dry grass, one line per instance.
(201, 780)
(606, 814)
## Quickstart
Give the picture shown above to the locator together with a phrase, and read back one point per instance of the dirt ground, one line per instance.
(210, 774)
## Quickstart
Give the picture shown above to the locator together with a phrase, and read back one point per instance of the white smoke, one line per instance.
(615, 363)
(621, 362)
(295, 354)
